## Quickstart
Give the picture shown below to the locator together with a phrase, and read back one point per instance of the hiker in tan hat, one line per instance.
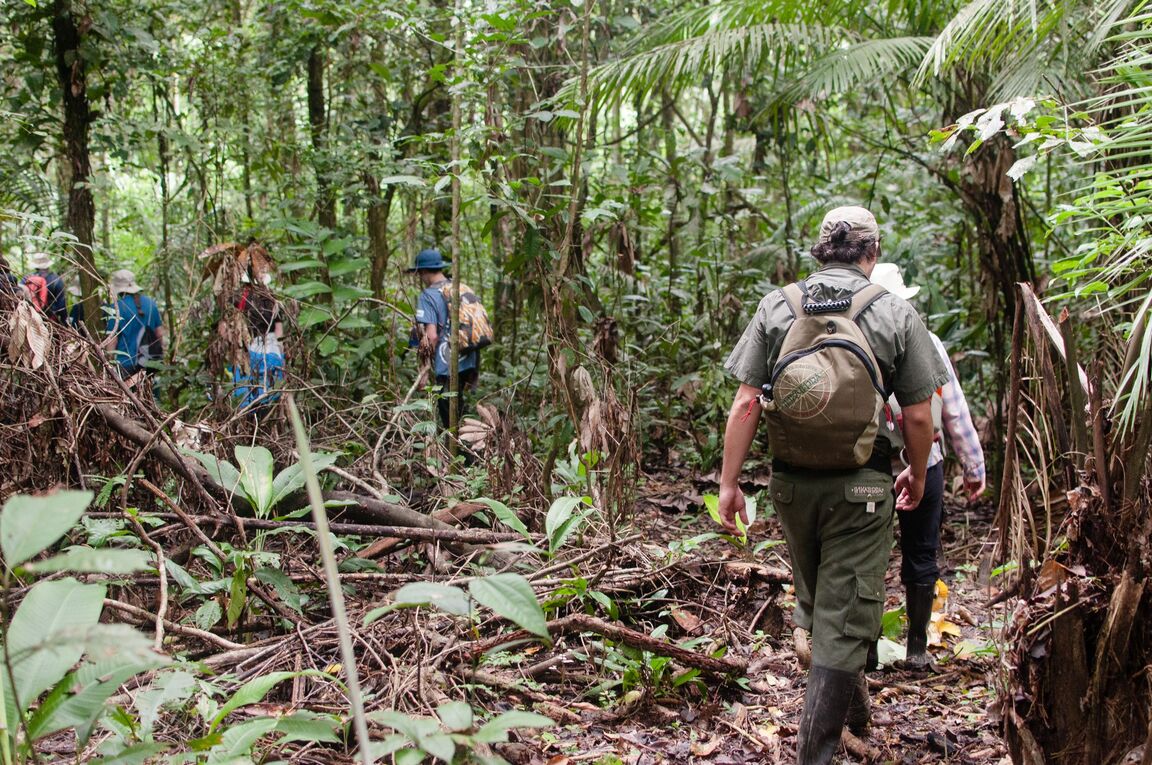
(818, 360)
(45, 287)
(133, 319)
(920, 527)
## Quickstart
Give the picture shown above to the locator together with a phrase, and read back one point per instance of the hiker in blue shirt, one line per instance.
(433, 322)
(134, 322)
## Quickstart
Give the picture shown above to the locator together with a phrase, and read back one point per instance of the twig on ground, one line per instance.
(577, 623)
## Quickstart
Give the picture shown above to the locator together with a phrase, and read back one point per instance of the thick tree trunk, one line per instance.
(69, 34)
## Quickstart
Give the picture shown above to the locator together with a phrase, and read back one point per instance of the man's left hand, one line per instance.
(975, 486)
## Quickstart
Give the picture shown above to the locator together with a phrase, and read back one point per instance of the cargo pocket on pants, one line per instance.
(867, 609)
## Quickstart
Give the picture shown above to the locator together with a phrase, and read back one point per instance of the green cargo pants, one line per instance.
(839, 532)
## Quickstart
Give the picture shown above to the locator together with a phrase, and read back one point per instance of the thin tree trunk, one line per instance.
(379, 248)
(672, 196)
(318, 122)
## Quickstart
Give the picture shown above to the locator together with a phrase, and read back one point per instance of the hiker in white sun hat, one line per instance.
(888, 276)
(920, 528)
(46, 287)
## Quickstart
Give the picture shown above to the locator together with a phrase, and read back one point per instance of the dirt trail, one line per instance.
(942, 717)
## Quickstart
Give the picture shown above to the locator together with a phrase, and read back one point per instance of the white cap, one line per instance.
(888, 276)
(123, 282)
(40, 261)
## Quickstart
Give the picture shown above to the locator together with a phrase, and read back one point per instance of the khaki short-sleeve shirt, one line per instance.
(909, 364)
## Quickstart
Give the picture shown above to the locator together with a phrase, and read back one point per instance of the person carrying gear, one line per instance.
(133, 322)
(255, 386)
(822, 389)
(432, 333)
(46, 287)
(920, 527)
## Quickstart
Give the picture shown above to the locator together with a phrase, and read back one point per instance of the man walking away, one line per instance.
(822, 389)
(46, 287)
(133, 322)
(433, 328)
(920, 528)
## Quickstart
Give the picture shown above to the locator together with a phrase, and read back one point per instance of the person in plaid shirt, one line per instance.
(920, 528)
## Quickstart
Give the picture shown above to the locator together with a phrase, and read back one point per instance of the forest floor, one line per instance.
(946, 716)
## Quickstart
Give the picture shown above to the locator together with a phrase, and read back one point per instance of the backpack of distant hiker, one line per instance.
(475, 330)
(148, 345)
(37, 287)
(824, 394)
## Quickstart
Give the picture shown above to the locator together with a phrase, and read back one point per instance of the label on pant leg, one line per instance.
(870, 507)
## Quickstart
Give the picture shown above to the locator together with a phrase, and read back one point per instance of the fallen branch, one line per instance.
(147, 617)
(577, 623)
(470, 536)
(859, 748)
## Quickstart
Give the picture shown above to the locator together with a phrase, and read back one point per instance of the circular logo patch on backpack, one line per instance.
(802, 390)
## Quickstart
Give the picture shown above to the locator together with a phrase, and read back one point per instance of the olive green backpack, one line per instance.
(824, 394)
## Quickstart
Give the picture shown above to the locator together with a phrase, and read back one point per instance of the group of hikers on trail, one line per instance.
(854, 391)
(858, 398)
(134, 329)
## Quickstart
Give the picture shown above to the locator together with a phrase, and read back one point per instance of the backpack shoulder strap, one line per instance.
(863, 298)
(794, 295)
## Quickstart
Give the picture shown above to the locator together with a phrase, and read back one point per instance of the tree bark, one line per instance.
(69, 34)
(318, 123)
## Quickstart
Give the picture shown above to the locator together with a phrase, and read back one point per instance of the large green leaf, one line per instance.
(456, 716)
(309, 726)
(222, 472)
(511, 597)
(167, 688)
(137, 754)
(425, 733)
(505, 515)
(257, 469)
(256, 689)
(49, 634)
(237, 741)
(558, 522)
(495, 731)
(29, 525)
(285, 588)
(447, 598)
(87, 560)
(79, 699)
(291, 479)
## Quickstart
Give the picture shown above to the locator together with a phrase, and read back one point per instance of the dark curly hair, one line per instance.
(839, 249)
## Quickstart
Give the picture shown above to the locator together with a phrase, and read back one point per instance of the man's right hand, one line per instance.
(731, 505)
(909, 490)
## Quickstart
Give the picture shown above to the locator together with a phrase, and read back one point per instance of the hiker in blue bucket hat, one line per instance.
(432, 333)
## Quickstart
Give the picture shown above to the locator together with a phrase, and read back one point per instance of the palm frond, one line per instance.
(862, 63)
(984, 31)
(26, 191)
(737, 14)
(740, 37)
(672, 65)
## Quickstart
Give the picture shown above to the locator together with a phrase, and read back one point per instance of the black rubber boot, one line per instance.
(872, 663)
(830, 692)
(859, 719)
(919, 612)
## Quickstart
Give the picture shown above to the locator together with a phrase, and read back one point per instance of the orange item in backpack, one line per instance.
(37, 287)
